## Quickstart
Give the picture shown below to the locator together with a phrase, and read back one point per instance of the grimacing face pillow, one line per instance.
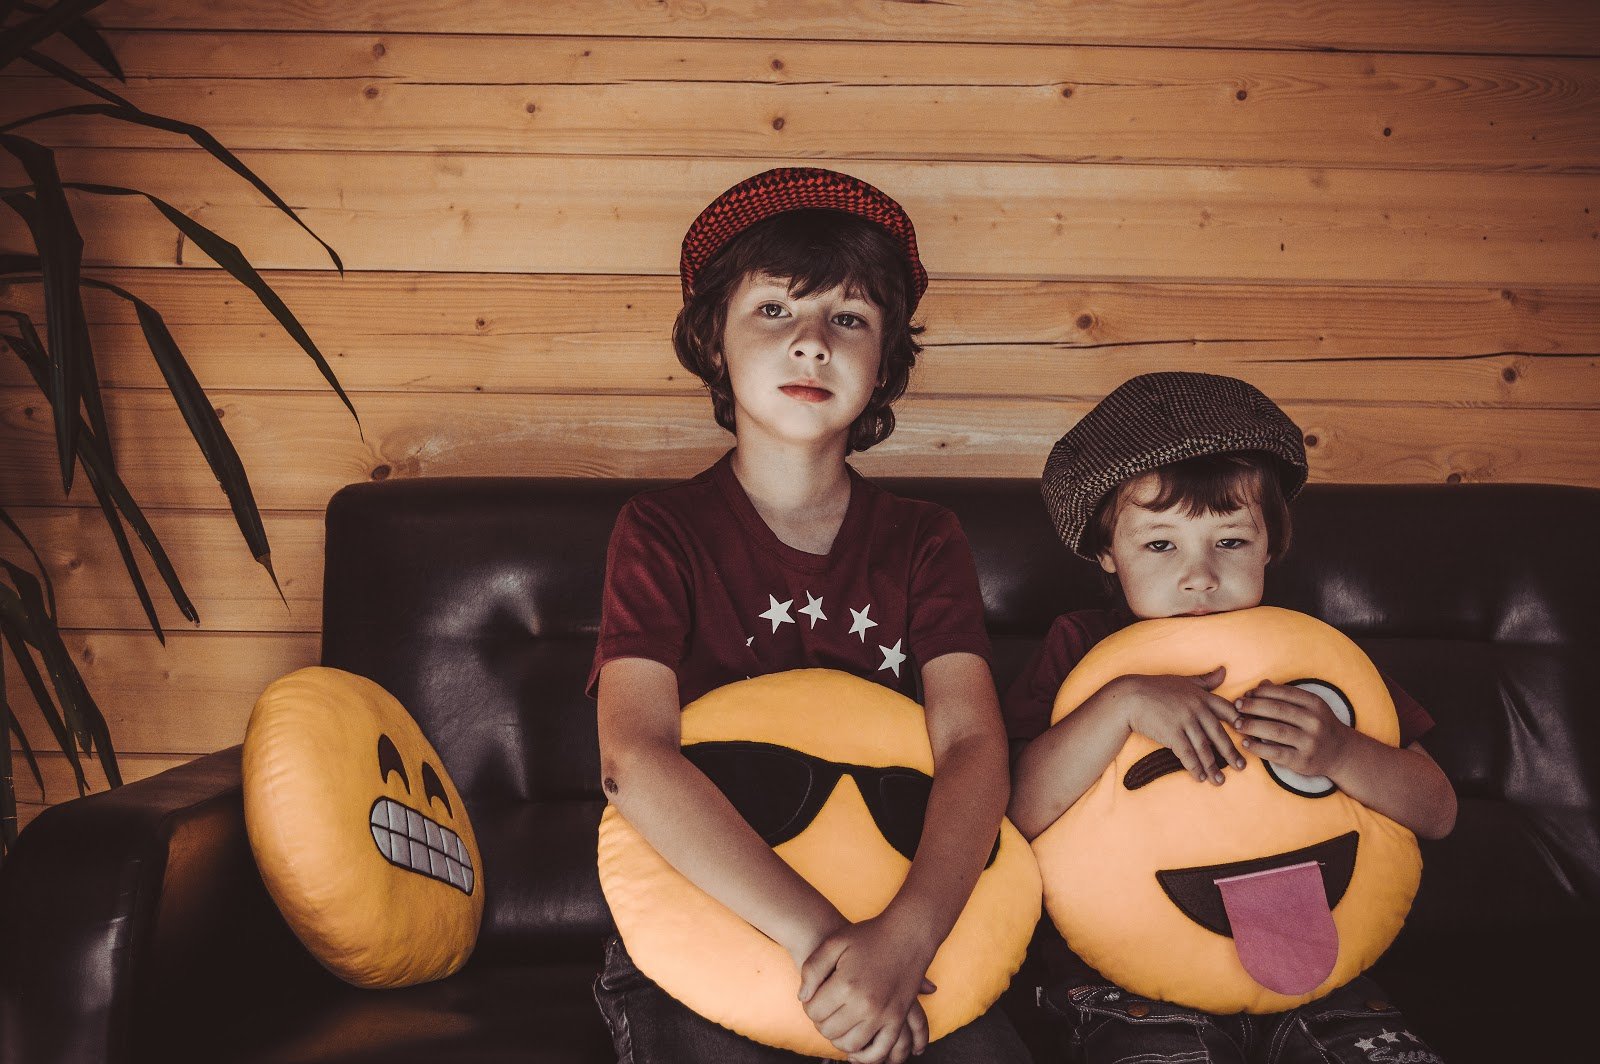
(361, 837)
(1259, 895)
(833, 771)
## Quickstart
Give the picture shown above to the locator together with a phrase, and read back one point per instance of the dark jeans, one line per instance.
(1353, 1025)
(649, 1027)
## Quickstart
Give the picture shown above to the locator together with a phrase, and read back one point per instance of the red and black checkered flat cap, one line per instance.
(1154, 420)
(793, 188)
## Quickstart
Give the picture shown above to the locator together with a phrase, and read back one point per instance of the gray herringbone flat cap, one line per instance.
(1154, 420)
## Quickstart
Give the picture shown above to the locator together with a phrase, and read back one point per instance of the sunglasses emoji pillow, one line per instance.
(1256, 896)
(361, 838)
(834, 772)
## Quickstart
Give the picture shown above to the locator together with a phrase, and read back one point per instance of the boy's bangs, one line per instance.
(818, 250)
(1215, 484)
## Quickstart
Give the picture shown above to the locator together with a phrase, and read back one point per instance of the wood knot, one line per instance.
(1085, 321)
(777, 123)
(370, 92)
(381, 472)
(1311, 439)
(1240, 95)
(379, 51)
(1453, 478)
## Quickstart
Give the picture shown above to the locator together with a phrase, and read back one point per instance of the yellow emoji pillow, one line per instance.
(361, 838)
(834, 771)
(1256, 896)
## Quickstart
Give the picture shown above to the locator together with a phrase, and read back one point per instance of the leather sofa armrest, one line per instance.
(132, 909)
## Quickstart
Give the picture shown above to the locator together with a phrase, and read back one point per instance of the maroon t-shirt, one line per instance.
(697, 581)
(1027, 706)
(1028, 703)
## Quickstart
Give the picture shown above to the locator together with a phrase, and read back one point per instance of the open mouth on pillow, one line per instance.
(409, 840)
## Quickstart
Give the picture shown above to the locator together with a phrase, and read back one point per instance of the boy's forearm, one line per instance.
(964, 810)
(695, 829)
(1054, 770)
(1404, 784)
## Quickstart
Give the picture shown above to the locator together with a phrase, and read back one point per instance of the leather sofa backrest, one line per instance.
(476, 602)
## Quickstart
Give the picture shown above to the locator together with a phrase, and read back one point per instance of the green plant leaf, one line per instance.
(109, 489)
(230, 258)
(89, 42)
(123, 111)
(24, 35)
(49, 589)
(22, 736)
(204, 426)
(60, 247)
(71, 77)
(14, 623)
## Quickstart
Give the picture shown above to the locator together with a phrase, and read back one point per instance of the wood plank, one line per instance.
(430, 333)
(231, 592)
(300, 448)
(852, 100)
(59, 784)
(192, 696)
(1553, 26)
(1031, 221)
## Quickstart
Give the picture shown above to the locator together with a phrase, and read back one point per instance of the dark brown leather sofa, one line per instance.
(133, 926)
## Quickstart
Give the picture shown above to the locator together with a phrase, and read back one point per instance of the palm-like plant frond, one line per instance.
(61, 361)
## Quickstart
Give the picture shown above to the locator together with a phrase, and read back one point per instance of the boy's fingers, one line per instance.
(902, 1046)
(1297, 695)
(1287, 710)
(1205, 757)
(1275, 732)
(1190, 761)
(1211, 679)
(819, 966)
(877, 1047)
(1221, 743)
(1277, 753)
(927, 987)
(917, 1022)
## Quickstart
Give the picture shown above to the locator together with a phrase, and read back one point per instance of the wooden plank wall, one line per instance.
(1383, 212)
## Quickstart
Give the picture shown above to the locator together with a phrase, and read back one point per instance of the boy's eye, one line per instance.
(849, 321)
(1232, 544)
(1159, 546)
(771, 310)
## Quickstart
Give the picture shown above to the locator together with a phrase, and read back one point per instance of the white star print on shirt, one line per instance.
(892, 658)
(813, 609)
(862, 622)
(778, 612)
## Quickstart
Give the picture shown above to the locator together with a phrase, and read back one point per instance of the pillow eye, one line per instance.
(389, 760)
(432, 788)
(1314, 786)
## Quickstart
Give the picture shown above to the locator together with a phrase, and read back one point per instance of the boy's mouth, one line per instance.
(807, 393)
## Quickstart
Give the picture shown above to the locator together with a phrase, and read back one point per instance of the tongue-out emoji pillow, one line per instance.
(361, 837)
(834, 771)
(1256, 896)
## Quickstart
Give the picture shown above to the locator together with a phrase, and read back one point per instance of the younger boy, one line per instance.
(1177, 485)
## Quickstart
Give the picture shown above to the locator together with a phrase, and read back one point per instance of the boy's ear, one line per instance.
(1107, 562)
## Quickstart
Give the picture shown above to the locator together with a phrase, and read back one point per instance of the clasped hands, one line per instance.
(860, 986)
(1288, 726)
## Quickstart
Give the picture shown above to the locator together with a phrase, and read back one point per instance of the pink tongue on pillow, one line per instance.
(1282, 927)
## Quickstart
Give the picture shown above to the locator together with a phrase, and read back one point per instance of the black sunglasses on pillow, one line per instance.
(780, 791)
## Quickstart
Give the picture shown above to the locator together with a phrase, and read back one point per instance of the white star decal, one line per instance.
(813, 609)
(1365, 1045)
(749, 640)
(1387, 1037)
(892, 658)
(861, 623)
(777, 613)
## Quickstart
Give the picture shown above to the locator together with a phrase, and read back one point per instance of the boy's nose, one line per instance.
(812, 346)
(1200, 578)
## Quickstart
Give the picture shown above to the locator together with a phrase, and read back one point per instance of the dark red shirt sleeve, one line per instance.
(1414, 720)
(645, 610)
(1027, 704)
(945, 603)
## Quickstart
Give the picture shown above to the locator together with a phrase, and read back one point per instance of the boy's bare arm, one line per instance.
(1294, 728)
(866, 976)
(688, 820)
(1180, 712)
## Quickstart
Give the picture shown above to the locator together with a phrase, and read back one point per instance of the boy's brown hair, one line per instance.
(814, 250)
(1210, 483)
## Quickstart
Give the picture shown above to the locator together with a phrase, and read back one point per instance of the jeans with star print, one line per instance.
(1353, 1025)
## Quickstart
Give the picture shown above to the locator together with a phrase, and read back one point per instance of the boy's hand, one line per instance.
(1293, 728)
(1182, 714)
(860, 988)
